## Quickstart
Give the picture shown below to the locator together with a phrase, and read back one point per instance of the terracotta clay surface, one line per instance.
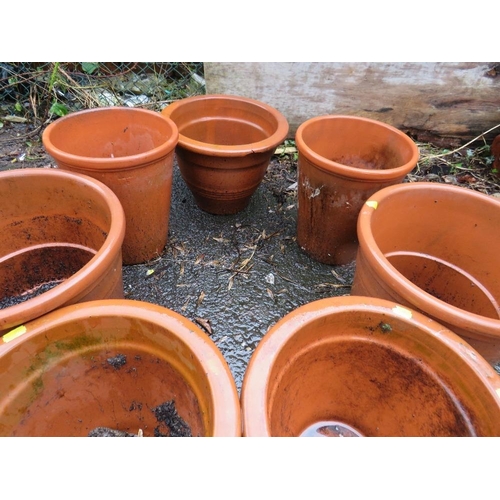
(131, 151)
(61, 232)
(113, 364)
(342, 161)
(434, 247)
(359, 366)
(225, 145)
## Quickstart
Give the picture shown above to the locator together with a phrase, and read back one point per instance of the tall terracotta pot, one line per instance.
(131, 151)
(434, 247)
(225, 145)
(61, 234)
(361, 366)
(112, 367)
(342, 161)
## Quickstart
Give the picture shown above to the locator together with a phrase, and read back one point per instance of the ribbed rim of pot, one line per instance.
(109, 164)
(377, 175)
(87, 276)
(413, 294)
(224, 393)
(270, 143)
(256, 381)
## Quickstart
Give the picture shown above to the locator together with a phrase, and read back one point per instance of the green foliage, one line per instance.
(58, 109)
(90, 67)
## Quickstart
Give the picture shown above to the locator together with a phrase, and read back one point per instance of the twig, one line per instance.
(430, 157)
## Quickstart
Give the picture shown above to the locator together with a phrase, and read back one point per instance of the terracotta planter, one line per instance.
(225, 145)
(131, 151)
(359, 366)
(125, 366)
(434, 247)
(61, 234)
(342, 161)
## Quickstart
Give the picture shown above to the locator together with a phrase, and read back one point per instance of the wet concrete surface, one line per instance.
(236, 275)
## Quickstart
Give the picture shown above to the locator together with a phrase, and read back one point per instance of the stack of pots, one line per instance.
(409, 353)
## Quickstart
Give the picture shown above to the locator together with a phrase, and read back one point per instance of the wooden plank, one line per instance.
(445, 103)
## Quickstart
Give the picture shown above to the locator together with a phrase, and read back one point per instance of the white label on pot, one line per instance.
(14, 333)
(498, 392)
(402, 311)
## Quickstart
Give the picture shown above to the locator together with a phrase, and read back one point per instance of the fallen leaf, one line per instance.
(200, 298)
(204, 323)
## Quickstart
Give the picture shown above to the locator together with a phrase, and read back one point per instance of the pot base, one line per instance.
(330, 429)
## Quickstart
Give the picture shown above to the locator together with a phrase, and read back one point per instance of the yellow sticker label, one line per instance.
(13, 334)
(498, 392)
(372, 204)
(402, 311)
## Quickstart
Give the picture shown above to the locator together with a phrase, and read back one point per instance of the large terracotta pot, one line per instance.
(435, 248)
(131, 151)
(360, 366)
(61, 238)
(115, 366)
(342, 161)
(225, 145)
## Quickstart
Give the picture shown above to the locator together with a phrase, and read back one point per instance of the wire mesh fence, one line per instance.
(38, 91)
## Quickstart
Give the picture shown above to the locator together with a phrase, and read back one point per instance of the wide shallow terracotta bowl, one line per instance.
(225, 145)
(360, 366)
(435, 248)
(61, 239)
(115, 367)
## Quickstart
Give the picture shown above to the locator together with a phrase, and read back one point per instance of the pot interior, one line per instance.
(37, 252)
(445, 282)
(374, 375)
(357, 144)
(121, 374)
(36, 270)
(443, 241)
(224, 122)
(114, 133)
(123, 389)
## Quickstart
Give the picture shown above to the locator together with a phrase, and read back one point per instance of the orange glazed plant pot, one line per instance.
(131, 151)
(61, 238)
(434, 248)
(225, 145)
(361, 366)
(342, 161)
(115, 367)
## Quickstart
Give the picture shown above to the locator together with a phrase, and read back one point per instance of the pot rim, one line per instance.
(265, 145)
(223, 388)
(84, 277)
(110, 164)
(330, 166)
(256, 382)
(413, 294)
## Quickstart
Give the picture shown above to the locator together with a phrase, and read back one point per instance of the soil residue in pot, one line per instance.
(170, 424)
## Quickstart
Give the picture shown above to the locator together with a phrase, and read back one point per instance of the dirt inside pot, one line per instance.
(377, 161)
(37, 270)
(124, 391)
